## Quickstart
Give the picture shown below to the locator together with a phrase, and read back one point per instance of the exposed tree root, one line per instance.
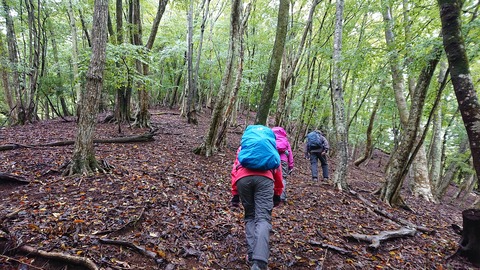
(59, 256)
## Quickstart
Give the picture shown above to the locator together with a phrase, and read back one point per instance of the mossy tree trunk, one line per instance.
(84, 161)
(467, 99)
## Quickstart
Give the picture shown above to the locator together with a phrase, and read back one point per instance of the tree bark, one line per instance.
(14, 80)
(191, 86)
(422, 185)
(469, 246)
(390, 192)
(275, 60)
(289, 66)
(340, 175)
(467, 99)
(84, 161)
(76, 76)
(369, 144)
(208, 146)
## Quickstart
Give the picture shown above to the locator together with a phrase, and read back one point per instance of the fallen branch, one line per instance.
(59, 256)
(382, 236)
(13, 178)
(332, 247)
(129, 139)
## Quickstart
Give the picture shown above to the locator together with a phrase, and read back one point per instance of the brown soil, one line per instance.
(163, 198)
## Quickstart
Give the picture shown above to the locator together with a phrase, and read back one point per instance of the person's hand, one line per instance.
(276, 200)
(235, 202)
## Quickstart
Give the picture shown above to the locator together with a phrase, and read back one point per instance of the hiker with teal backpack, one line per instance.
(257, 184)
(316, 149)
(286, 157)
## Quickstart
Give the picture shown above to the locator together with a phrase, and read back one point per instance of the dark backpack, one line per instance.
(314, 141)
(258, 149)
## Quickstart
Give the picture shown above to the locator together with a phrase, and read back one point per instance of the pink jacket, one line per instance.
(238, 172)
(283, 145)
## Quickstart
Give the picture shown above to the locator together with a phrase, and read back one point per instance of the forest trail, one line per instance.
(174, 206)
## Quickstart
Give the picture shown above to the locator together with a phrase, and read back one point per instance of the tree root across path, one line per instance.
(7, 242)
(59, 256)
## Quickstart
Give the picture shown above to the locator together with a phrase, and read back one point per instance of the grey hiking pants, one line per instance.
(284, 165)
(314, 157)
(256, 194)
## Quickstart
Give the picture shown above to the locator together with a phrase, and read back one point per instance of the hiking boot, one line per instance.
(314, 179)
(259, 265)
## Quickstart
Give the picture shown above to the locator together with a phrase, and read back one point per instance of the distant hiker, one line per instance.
(258, 189)
(286, 157)
(316, 149)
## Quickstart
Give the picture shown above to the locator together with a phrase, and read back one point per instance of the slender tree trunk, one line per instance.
(340, 175)
(34, 26)
(61, 95)
(123, 95)
(421, 179)
(460, 74)
(76, 77)
(401, 160)
(369, 144)
(206, 6)
(275, 60)
(435, 160)
(190, 87)
(13, 62)
(451, 171)
(84, 161)
(289, 65)
(4, 73)
(208, 148)
(227, 116)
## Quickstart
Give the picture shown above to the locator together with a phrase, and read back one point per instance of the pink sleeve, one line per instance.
(290, 158)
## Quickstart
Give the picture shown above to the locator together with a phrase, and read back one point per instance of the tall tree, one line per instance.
(467, 99)
(76, 75)
(142, 117)
(289, 66)
(275, 60)
(84, 161)
(340, 175)
(14, 81)
(407, 150)
(208, 146)
(123, 93)
(421, 180)
(191, 87)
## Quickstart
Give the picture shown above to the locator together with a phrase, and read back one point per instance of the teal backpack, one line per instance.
(258, 149)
